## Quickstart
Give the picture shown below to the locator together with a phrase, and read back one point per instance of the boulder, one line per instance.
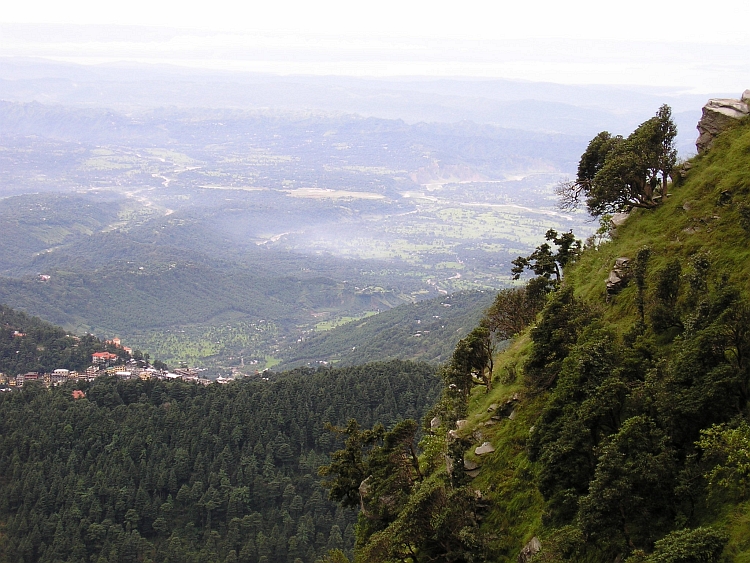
(473, 473)
(512, 416)
(618, 219)
(461, 424)
(435, 423)
(485, 448)
(364, 490)
(470, 465)
(618, 277)
(719, 114)
(530, 550)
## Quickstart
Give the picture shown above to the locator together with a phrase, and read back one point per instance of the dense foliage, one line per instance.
(617, 174)
(619, 421)
(30, 344)
(157, 471)
(423, 331)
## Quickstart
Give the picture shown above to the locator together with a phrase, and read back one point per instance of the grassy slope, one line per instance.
(695, 218)
(424, 331)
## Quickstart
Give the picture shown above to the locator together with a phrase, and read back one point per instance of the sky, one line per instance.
(661, 43)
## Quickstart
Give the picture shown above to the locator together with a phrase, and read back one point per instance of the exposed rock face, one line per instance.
(618, 277)
(530, 550)
(435, 423)
(718, 116)
(470, 465)
(618, 219)
(485, 448)
(364, 490)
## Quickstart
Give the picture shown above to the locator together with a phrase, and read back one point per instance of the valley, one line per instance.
(215, 237)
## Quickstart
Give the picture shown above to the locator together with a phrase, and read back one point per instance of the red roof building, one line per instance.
(100, 357)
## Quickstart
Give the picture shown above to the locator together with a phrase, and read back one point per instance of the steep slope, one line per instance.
(614, 428)
(424, 331)
(602, 459)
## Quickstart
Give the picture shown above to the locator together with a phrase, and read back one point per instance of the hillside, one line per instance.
(170, 471)
(425, 331)
(606, 456)
(31, 344)
(616, 427)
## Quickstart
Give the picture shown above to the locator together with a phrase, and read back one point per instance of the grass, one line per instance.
(328, 325)
(507, 477)
(694, 218)
(701, 215)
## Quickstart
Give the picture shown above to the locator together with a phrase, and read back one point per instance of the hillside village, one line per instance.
(107, 364)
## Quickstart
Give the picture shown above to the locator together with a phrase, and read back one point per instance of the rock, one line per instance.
(687, 206)
(618, 277)
(485, 448)
(512, 416)
(461, 424)
(746, 96)
(719, 115)
(449, 464)
(489, 422)
(470, 465)
(473, 473)
(453, 434)
(530, 550)
(364, 490)
(435, 423)
(618, 219)
(492, 407)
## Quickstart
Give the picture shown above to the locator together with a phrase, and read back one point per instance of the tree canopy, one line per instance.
(544, 262)
(616, 174)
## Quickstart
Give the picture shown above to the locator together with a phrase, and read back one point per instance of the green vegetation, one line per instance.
(618, 421)
(160, 471)
(423, 331)
(30, 344)
(616, 174)
(228, 344)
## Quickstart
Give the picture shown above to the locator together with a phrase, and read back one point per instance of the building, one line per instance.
(103, 357)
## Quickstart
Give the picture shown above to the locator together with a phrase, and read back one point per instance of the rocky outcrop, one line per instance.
(485, 448)
(618, 219)
(719, 115)
(618, 277)
(530, 550)
(470, 465)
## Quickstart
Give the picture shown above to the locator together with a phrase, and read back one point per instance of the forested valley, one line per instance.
(595, 409)
(169, 471)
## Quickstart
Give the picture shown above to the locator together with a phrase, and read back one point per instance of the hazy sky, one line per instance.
(661, 43)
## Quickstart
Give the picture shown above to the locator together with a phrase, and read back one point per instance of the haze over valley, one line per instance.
(215, 218)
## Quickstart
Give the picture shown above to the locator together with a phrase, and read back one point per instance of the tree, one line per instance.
(631, 496)
(514, 309)
(377, 470)
(545, 263)
(616, 174)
